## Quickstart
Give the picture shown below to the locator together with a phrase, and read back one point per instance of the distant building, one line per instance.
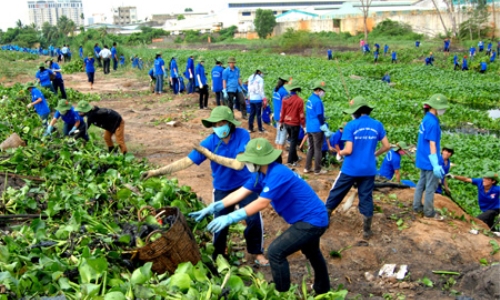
(51, 11)
(125, 15)
(90, 21)
(99, 18)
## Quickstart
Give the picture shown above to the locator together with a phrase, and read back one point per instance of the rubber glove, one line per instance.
(223, 221)
(29, 105)
(72, 130)
(213, 208)
(436, 168)
(325, 129)
(49, 130)
(224, 93)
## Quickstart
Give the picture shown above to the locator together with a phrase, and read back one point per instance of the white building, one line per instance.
(51, 11)
(124, 15)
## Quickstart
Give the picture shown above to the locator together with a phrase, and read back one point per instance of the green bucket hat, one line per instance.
(293, 86)
(29, 85)
(261, 68)
(158, 53)
(90, 54)
(490, 174)
(220, 113)
(319, 84)
(41, 65)
(400, 145)
(218, 60)
(438, 101)
(231, 59)
(260, 152)
(286, 77)
(63, 105)
(356, 104)
(449, 148)
(343, 125)
(49, 59)
(200, 59)
(83, 106)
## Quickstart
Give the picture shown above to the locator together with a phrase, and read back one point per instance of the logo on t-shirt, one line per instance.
(266, 189)
(493, 196)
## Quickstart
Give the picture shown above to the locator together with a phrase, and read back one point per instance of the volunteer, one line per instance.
(190, 74)
(107, 119)
(256, 96)
(464, 64)
(447, 46)
(375, 55)
(65, 53)
(293, 118)
(335, 142)
(292, 198)
(159, 73)
(480, 45)
(231, 83)
(279, 94)
(105, 54)
(394, 57)
(361, 136)
(493, 56)
(44, 77)
(386, 49)
(223, 146)
(456, 64)
(483, 66)
(174, 76)
(97, 50)
(386, 78)
(427, 157)
(88, 62)
(80, 51)
(392, 162)
(445, 163)
(73, 122)
(488, 193)
(57, 82)
(316, 127)
(329, 54)
(217, 81)
(488, 50)
(114, 56)
(201, 82)
(39, 102)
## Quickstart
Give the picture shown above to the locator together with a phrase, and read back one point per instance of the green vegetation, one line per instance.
(264, 22)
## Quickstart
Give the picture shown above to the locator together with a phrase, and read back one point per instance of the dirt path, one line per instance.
(401, 237)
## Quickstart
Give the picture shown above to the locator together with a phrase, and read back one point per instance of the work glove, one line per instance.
(436, 168)
(190, 76)
(224, 94)
(29, 105)
(326, 130)
(213, 208)
(223, 221)
(48, 131)
(72, 130)
(176, 75)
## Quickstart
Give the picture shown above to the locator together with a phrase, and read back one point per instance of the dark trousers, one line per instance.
(237, 99)
(315, 140)
(82, 128)
(115, 64)
(99, 61)
(176, 86)
(203, 96)
(218, 98)
(304, 237)
(159, 83)
(293, 133)
(191, 86)
(58, 84)
(255, 111)
(489, 216)
(343, 184)
(254, 233)
(106, 62)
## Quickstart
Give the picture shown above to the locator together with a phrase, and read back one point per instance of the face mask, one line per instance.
(252, 167)
(322, 94)
(222, 131)
(441, 112)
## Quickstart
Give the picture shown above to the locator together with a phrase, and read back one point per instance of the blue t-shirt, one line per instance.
(446, 167)
(232, 79)
(329, 52)
(394, 55)
(41, 108)
(173, 65)
(224, 178)
(483, 66)
(70, 118)
(55, 66)
(200, 70)
(277, 101)
(493, 56)
(489, 200)
(113, 52)
(314, 108)
(386, 78)
(97, 49)
(80, 50)
(464, 63)
(217, 78)
(455, 60)
(324, 147)
(336, 139)
(159, 63)
(472, 50)
(89, 64)
(386, 48)
(428, 131)
(391, 163)
(190, 66)
(364, 133)
(44, 77)
(151, 72)
(447, 44)
(291, 197)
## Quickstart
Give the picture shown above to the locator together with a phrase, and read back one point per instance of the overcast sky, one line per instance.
(18, 9)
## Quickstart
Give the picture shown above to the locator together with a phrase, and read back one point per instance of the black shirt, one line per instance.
(104, 118)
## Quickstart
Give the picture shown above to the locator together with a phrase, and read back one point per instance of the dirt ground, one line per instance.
(400, 236)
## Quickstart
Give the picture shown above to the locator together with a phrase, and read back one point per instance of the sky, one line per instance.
(18, 9)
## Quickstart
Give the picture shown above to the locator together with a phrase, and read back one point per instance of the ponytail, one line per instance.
(280, 84)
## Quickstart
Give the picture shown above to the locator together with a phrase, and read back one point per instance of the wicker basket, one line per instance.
(175, 246)
(13, 141)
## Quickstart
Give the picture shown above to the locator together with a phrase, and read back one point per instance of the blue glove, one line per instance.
(224, 93)
(436, 167)
(49, 130)
(223, 221)
(211, 209)
(326, 130)
(72, 130)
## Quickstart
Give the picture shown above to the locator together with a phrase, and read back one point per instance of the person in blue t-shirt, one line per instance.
(57, 81)
(386, 78)
(488, 193)
(39, 102)
(74, 124)
(427, 157)
(375, 55)
(280, 93)
(217, 81)
(231, 87)
(394, 57)
(114, 56)
(221, 147)
(480, 45)
(386, 49)
(329, 54)
(456, 64)
(159, 72)
(392, 162)
(44, 77)
(361, 137)
(472, 52)
(316, 127)
(174, 76)
(190, 75)
(97, 50)
(493, 56)
(488, 49)
(335, 142)
(122, 60)
(367, 48)
(444, 161)
(465, 67)
(292, 198)
(80, 51)
(152, 79)
(417, 43)
(483, 66)
(201, 83)
(88, 62)
(446, 47)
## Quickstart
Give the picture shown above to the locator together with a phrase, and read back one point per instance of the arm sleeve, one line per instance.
(253, 184)
(431, 133)
(57, 115)
(321, 119)
(320, 112)
(196, 156)
(396, 162)
(381, 132)
(347, 134)
(477, 181)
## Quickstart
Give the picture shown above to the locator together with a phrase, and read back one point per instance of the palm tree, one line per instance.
(19, 24)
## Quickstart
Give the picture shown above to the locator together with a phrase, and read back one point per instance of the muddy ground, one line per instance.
(400, 236)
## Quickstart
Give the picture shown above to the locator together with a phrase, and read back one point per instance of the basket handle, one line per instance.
(151, 234)
(139, 217)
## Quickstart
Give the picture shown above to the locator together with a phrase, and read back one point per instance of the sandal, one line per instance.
(257, 262)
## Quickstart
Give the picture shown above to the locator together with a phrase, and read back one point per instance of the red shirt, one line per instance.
(292, 111)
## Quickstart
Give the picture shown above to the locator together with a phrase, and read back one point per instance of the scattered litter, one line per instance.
(369, 276)
(497, 234)
(387, 270)
(174, 123)
(402, 272)
(474, 231)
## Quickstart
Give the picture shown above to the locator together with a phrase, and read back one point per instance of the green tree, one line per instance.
(181, 17)
(264, 22)
(188, 9)
(19, 24)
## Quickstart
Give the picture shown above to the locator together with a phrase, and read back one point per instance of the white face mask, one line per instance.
(441, 112)
(321, 94)
(252, 167)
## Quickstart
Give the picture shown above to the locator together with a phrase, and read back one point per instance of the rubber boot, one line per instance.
(367, 227)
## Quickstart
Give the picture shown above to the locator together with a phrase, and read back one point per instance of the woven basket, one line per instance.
(175, 246)
(13, 141)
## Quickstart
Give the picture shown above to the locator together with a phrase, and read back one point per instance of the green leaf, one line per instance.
(222, 264)
(235, 283)
(64, 283)
(142, 275)
(124, 194)
(89, 289)
(427, 282)
(115, 296)
(182, 281)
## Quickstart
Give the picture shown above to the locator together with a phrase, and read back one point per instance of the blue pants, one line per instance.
(115, 64)
(45, 119)
(428, 183)
(175, 85)
(191, 86)
(343, 184)
(159, 83)
(254, 233)
(255, 110)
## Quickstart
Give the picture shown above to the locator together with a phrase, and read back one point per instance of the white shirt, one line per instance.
(105, 53)
(255, 88)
